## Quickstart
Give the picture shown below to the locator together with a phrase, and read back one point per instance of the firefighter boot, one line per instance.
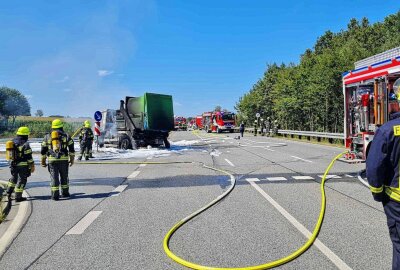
(55, 195)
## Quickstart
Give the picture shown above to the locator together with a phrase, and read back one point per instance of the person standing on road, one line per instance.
(59, 148)
(268, 126)
(86, 141)
(21, 162)
(241, 129)
(255, 127)
(382, 166)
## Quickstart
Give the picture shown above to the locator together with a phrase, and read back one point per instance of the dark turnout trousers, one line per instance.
(17, 182)
(59, 173)
(392, 210)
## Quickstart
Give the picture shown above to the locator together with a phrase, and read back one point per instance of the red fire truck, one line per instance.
(371, 98)
(199, 122)
(219, 122)
(180, 123)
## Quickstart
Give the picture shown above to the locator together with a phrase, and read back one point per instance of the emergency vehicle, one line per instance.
(219, 122)
(371, 98)
(199, 122)
(180, 123)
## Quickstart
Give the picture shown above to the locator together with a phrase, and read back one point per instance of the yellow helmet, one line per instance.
(57, 123)
(23, 131)
(87, 124)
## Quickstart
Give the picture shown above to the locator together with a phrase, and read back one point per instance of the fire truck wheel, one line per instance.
(125, 143)
(218, 130)
(167, 145)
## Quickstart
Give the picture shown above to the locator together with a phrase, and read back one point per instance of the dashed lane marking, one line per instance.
(324, 249)
(299, 158)
(330, 176)
(118, 190)
(252, 180)
(133, 175)
(142, 165)
(229, 162)
(84, 223)
(276, 179)
(303, 177)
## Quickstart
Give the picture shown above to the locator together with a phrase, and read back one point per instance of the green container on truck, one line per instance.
(139, 122)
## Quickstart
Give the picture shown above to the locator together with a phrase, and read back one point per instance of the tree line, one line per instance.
(12, 104)
(308, 95)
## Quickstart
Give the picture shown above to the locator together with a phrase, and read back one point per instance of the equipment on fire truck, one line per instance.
(370, 93)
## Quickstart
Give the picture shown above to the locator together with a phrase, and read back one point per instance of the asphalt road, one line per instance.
(127, 229)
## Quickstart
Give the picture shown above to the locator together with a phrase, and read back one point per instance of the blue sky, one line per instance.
(76, 57)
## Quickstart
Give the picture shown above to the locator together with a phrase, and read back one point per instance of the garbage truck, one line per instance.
(371, 98)
(139, 122)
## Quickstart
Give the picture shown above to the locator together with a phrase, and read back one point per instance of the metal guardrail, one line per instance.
(308, 134)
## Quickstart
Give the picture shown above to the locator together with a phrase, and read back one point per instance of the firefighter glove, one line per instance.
(43, 161)
(71, 160)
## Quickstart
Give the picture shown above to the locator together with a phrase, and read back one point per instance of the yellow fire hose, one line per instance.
(267, 265)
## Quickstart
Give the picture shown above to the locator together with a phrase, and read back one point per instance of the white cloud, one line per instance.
(66, 78)
(104, 72)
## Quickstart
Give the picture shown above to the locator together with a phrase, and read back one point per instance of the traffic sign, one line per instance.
(257, 115)
(97, 128)
(98, 116)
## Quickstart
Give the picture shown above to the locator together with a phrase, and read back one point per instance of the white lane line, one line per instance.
(299, 158)
(142, 165)
(84, 223)
(303, 177)
(229, 162)
(276, 179)
(118, 190)
(324, 249)
(133, 175)
(349, 175)
(252, 179)
(330, 176)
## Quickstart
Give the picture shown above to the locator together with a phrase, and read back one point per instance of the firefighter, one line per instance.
(58, 147)
(255, 127)
(383, 176)
(19, 155)
(275, 128)
(268, 126)
(86, 140)
(241, 129)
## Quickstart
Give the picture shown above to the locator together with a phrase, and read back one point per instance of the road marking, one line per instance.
(133, 175)
(324, 249)
(330, 176)
(349, 175)
(252, 179)
(276, 179)
(118, 190)
(229, 162)
(142, 165)
(266, 148)
(303, 177)
(301, 159)
(84, 223)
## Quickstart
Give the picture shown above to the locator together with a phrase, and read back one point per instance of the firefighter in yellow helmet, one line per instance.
(19, 155)
(86, 141)
(58, 147)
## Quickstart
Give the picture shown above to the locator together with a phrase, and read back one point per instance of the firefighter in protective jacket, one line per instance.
(58, 147)
(86, 140)
(19, 155)
(383, 177)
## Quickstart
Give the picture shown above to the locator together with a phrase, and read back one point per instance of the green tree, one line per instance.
(13, 103)
(39, 113)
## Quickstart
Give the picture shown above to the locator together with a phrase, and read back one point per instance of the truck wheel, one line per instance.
(218, 130)
(231, 131)
(208, 130)
(125, 144)
(167, 144)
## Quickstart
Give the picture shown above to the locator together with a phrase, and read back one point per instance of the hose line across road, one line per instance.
(267, 265)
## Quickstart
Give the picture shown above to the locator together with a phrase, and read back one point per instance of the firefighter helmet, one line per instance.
(23, 131)
(57, 123)
(87, 124)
